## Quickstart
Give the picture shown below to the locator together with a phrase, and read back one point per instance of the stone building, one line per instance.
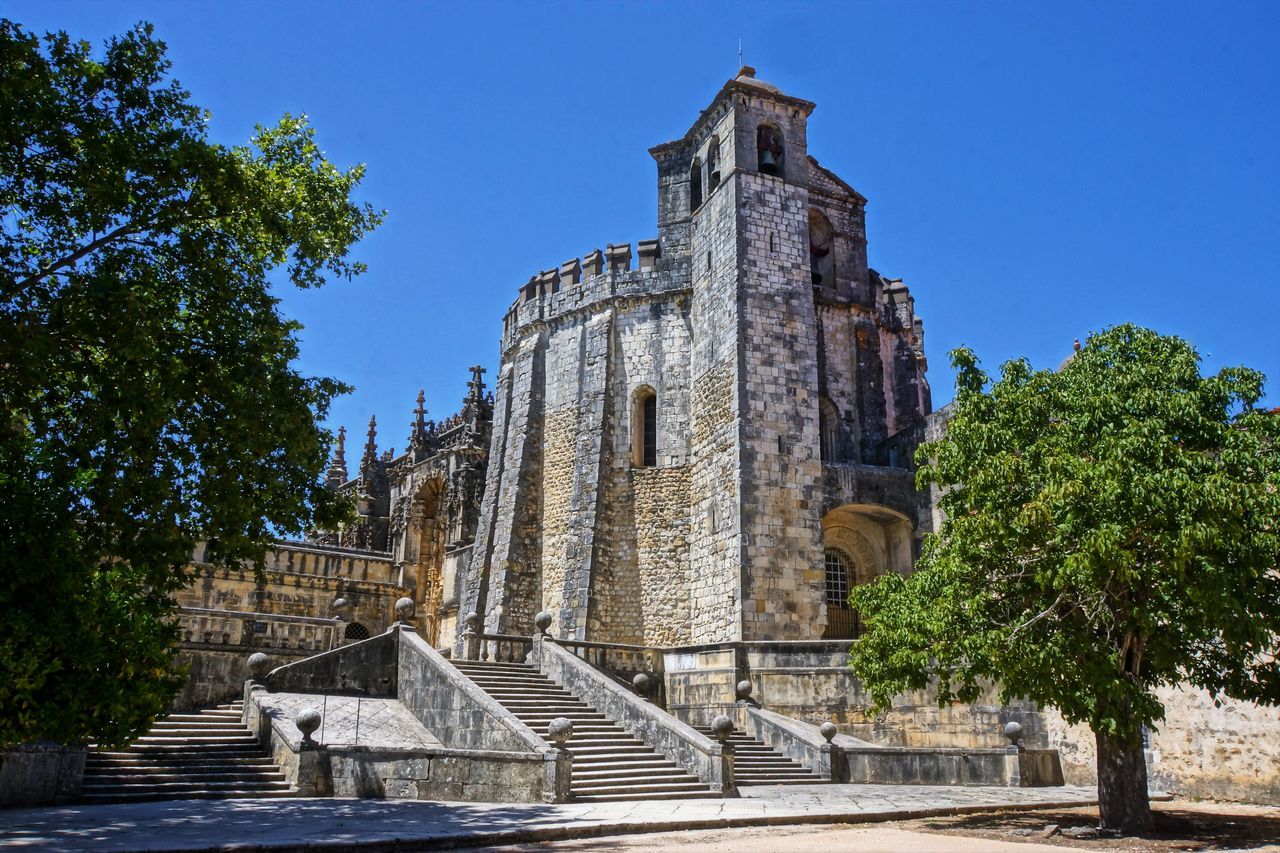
(711, 444)
(416, 515)
(696, 445)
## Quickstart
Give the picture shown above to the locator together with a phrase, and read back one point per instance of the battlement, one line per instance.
(600, 274)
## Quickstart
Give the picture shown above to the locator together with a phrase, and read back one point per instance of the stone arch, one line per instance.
(874, 540)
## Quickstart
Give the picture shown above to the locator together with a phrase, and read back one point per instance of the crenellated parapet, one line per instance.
(581, 285)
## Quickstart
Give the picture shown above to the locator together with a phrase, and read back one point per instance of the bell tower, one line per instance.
(756, 549)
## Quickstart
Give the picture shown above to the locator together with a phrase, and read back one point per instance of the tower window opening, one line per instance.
(713, 163)
(821, 258)
(828, 430)
(770, 150)
(356, 631)
(644, 419)
(695, 185)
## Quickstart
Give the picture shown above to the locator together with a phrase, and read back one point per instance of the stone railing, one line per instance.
(258, 630)
(710, 761)
(638, 668)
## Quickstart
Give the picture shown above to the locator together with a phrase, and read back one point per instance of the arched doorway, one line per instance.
(860, 543)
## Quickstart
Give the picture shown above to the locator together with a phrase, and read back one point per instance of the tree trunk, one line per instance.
(1122, 783)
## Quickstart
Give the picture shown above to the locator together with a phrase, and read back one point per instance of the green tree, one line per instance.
(1110, 528)
(149, 399)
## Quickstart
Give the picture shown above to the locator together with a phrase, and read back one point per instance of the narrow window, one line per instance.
(713, 163)
(695, 185)
(650, 431)
(644, 436)
(770, 150)
(828, 430)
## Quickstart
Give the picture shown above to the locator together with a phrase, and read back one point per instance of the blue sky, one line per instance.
(1035, 170)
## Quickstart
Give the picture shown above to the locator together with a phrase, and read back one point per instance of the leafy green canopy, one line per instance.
(145, 371)
(1109, 528)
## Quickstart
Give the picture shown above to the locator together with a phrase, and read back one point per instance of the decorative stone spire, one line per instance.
(337, 474)
(418, 426)
(473, 406)
(369, 461)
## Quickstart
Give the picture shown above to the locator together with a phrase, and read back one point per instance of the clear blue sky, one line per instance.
(1035, 171)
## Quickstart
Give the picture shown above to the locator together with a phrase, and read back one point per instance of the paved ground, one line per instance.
(388, 824)
(869, 838)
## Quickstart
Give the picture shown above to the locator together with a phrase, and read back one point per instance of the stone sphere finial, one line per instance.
(307, 721)
(560, 730)
(1013, 731)
(721, 728)
(642, 683)
(542, 621)
(828, 730)
(341, 604)
(744, 689)
(404, 609)
(259, 665)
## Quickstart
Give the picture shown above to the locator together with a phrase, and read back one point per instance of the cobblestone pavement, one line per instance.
(390, 824)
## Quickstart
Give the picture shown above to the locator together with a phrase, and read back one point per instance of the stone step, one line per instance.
(620, 764)
(609, 751)
(164, 739)
(166, 764)
(543, 720)
(491, 667)
(207, 753)
(188, 730)
(748, 781)
(704, 794)
(153, 796)
(617, 787)
(180, 787)
(664, 772)
(154, 775)
(200, 718)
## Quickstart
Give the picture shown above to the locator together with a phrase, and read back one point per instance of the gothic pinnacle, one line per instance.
(337, 474)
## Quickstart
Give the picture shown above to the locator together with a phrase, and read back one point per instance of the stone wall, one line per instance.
(1225, 752)
(811, 682)
(662, 541)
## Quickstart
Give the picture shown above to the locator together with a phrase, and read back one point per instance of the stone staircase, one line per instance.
(205, 755)
(608, 762)
(757, 763)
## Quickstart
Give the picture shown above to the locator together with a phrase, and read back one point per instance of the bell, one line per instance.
(714, 179)
(768, 163)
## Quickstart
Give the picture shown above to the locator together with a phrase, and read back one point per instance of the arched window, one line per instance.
(770, 150)
(822, 265)
(828, 430)
(713, 163)
(356, 631)
(644, 428)
(695, 185)
(841, 619)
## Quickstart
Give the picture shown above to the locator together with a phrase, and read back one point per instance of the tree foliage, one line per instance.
(149, 399)
(1109, 528)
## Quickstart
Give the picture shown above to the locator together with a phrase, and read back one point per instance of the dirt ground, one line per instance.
(1180, 826)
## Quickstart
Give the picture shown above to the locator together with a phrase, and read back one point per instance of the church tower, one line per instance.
(711, 446)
